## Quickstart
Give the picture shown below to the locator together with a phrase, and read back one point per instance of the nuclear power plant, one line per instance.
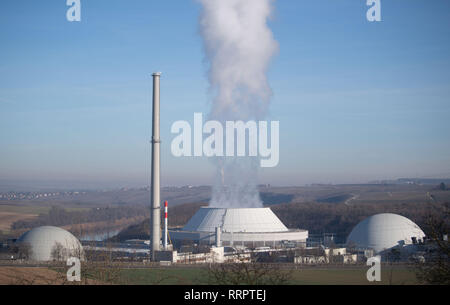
(249, 231)
(232, 234)
(217, 227)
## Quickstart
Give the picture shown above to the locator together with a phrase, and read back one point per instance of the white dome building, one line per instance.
(384, 231)
(50, 243)
(251, 227)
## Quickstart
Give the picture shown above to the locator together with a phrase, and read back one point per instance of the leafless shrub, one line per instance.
(22, 250)
(242, 273)
(100, 266)
(435, 267)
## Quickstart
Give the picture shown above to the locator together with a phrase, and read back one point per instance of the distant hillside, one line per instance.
(178, 216)
(408, 191)
(430, 181)
(341, 218)
(335, 198)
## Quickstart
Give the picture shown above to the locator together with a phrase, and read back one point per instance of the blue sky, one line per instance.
(356, 101)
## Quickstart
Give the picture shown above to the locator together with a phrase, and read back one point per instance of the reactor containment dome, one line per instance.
(250, 227)
(50, 243)
(382, 232)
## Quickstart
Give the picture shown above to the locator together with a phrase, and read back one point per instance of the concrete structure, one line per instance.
(335, 251)
(310, 260)
(349, 258)
(218, 237)
(155, 225)
(50, 243)
(248, 227)
(324, 255)
(382, 232)
(215, 255)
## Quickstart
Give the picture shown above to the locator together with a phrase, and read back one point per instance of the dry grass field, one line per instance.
(30, 276)
(180, 275)
(37, 276)
(8, 218)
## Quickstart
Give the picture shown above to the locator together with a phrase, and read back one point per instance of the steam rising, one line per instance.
(238, 46)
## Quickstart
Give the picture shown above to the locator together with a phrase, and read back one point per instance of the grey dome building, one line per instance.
(50, 243)
(382, 232)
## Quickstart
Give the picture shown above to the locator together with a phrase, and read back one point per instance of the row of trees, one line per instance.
(435, 267)
(341, 218)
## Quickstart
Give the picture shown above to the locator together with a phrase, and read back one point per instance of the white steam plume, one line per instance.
(239, 46)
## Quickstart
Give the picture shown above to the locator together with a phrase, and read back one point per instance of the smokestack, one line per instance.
(155, 220)
(165, 225)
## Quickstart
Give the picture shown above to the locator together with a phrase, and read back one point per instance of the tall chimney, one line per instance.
(155, 220)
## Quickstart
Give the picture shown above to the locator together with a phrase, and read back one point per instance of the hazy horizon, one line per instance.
(42, 186)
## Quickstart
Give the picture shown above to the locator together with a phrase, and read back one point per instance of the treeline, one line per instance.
(178, 216)
(340, 218)
(58, 216)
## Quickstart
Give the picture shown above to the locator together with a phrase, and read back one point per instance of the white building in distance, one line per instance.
(248, 227)
(49, 243)
(383, 232)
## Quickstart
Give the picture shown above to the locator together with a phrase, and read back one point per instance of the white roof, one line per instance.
(235, 220)
(43, 240)
(384, 231)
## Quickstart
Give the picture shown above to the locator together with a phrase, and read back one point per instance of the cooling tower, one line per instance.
(249, 227)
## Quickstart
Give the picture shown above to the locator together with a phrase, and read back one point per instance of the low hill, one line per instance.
(178, 217)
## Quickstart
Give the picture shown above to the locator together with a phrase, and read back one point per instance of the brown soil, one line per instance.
(34, 276)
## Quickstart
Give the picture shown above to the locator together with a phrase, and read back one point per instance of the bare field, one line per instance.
(30, 276)
(12, 212)
(193, 275)
(36, 276)
(398, 275)
(22, 208)
(8, 218)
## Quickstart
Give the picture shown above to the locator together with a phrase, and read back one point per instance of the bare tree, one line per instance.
(100, 266)
(23, 250)
(57, 252)
(435, 269)
(242, 273)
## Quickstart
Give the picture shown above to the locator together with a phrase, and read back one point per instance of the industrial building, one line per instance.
(49, 243)
(245, 227)
(383, 232)
(250, 229)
